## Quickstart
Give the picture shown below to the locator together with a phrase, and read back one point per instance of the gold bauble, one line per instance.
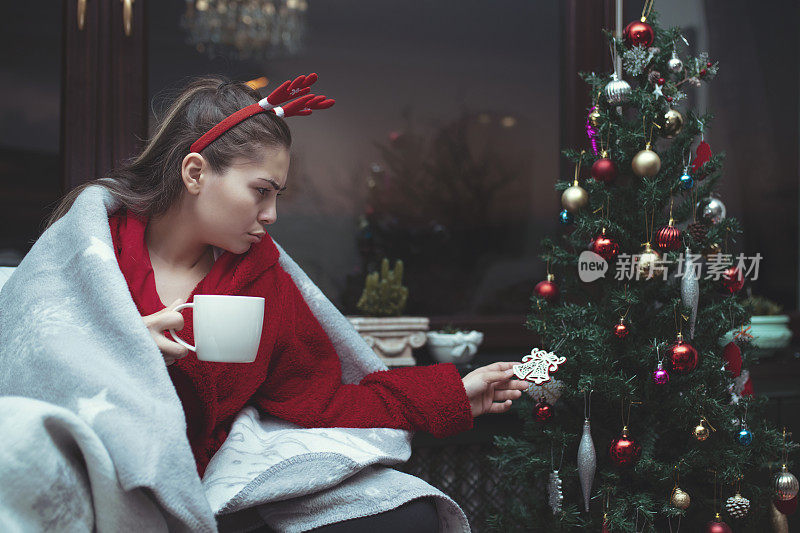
(574, 198)
(648, 265)
(672, 124)
(680, 499)
(646, 163)
(700, 432)
(594, 118)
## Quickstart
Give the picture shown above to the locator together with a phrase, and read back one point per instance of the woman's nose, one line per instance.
(268, 217)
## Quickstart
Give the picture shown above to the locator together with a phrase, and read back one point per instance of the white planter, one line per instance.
(769, 332)
(458, 347)
(393, 338)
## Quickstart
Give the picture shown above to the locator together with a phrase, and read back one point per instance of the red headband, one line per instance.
(288, 90)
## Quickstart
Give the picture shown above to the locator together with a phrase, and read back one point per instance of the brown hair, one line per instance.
(149, 183)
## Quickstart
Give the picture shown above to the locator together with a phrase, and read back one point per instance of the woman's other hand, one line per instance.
(158, 323)
(490, 388)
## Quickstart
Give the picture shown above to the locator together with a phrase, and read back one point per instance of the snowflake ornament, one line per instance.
(637, 58)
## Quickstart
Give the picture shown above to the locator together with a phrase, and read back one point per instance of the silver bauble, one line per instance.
(587, 463)
(675, 64)
(690, 287)
(711, 210)
(617, 90)
(785, 485)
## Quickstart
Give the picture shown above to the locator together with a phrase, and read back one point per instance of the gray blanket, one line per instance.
(94, 435)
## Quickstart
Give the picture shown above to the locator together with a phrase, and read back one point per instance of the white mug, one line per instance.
(227, 329)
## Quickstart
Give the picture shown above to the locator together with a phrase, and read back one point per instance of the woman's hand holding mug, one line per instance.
(157, 323)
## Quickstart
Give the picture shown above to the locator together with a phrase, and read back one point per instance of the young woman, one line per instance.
(196, 204)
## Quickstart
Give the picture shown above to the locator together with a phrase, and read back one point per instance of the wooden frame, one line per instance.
(104, 89)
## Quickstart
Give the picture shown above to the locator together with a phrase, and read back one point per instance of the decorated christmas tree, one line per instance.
(640, 416)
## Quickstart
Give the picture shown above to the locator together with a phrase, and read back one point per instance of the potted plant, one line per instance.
(768, 325)
(391, 335)
(453, 345)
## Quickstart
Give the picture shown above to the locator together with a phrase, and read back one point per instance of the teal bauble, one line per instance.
(686, 182)
(744, 437)
(566, 217)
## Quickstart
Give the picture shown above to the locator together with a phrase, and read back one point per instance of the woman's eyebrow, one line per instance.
(274, 184)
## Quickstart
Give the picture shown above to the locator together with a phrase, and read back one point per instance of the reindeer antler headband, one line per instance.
(289, 89)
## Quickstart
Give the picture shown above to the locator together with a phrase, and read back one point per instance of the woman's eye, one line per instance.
(259, 189)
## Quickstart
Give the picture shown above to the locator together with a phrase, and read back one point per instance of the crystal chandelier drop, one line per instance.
(245, 29)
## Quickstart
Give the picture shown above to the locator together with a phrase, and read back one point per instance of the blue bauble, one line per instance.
(566, 217)
(687, 182)
(744, 437)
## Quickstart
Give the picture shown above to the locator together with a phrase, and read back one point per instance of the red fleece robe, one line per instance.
(297, 374)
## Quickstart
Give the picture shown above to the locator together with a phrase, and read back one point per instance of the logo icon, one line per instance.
(591, 266)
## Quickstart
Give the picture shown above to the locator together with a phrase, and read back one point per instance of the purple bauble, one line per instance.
(660, 376)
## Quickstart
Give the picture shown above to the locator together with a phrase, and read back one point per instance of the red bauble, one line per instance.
(732, 280)
(624, 451)
(718, 527)
(683, 356)
(709, 64)
(604, 169)
(669, 98)
(668, 238)
(638, 33)
(604, 246)
(620, 330)
(786, 507)
(543, 411)
(732, 356)
(661, 81)
(547, 289)
(703, 72)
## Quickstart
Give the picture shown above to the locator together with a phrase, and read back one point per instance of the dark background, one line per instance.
(393, 66)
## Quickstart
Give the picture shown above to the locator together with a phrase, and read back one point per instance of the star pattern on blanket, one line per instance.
(100, 249)
(89, 408)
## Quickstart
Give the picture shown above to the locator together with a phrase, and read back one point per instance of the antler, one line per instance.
(304, 105)
(320, 102)
(289, 89)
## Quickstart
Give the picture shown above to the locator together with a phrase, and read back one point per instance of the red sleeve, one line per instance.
(304, 385)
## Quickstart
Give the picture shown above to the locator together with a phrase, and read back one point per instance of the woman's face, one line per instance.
(240, 202)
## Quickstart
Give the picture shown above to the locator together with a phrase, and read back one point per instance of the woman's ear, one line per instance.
(192, 169)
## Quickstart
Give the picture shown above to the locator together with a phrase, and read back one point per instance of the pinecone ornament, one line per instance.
(737, 506)
(698, 230)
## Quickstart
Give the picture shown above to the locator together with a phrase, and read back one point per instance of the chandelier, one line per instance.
(245, 29)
